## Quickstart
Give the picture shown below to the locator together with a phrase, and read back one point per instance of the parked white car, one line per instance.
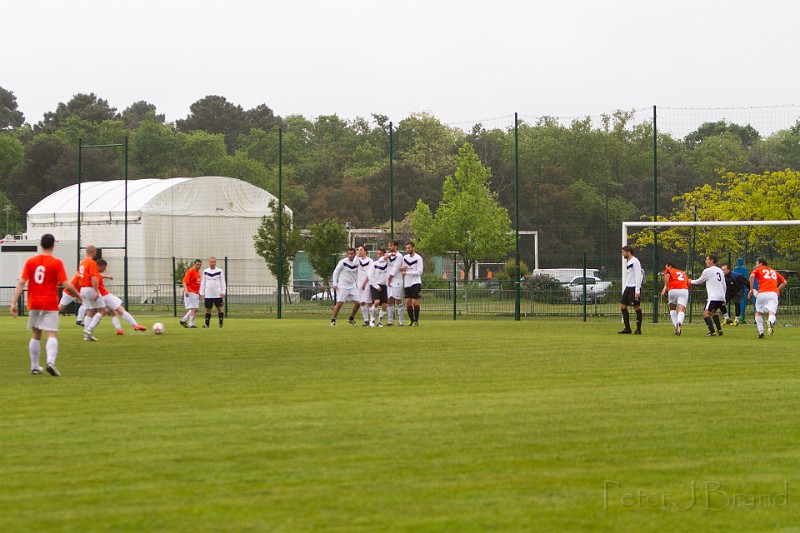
(596, 288)
(324, 295)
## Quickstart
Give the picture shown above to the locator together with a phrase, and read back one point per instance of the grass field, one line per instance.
(290, 425)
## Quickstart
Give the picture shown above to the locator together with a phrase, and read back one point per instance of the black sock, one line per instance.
(709, 323)
(221, 316)
(626, 318)
(208, 318)
(416, 313)
(639, 319)
(717, 322)
(410, 311)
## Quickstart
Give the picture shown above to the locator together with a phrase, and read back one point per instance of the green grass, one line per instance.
(290, 425)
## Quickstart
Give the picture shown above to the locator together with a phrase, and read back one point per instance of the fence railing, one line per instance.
(472, 301)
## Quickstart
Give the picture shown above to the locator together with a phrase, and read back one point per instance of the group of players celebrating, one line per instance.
(379, 286)
(723, 286)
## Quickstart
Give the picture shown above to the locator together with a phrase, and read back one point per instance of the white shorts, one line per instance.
(89, 302)
(348, 294)
(679, 297)
(366, 295)
(192, 301)
(395, 291)
(43, 320)
(767, 302)
(66, 299)
(112, 302)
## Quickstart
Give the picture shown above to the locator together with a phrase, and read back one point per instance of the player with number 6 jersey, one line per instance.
(44, 274)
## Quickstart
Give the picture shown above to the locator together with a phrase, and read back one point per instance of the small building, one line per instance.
(181, 218)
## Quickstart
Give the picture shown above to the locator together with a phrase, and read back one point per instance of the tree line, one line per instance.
(577, 181)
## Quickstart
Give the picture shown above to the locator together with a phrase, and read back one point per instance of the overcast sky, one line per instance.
(464, 61)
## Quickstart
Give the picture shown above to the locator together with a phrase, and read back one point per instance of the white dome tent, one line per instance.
(185, 218)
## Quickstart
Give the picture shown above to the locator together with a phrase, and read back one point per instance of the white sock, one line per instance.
(381, 314)
(365, 312)
(400, 310)
(191, 320)
(95, 320)
(390, 320)
(760, 324)
(81, 313)
(681, 316)
(129, 319)
(673, 315)
(115, 321)
(52, 350)
(372, 314)
(185, 317)
(33, 348)
(773, 319)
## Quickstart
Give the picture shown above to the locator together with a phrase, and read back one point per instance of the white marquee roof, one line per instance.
(201, 196)
(106, 196)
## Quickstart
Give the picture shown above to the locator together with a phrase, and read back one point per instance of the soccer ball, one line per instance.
(158, 328)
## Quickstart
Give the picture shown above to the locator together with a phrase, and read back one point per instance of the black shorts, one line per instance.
(209, 302)
(629, 297)
(378, 294)
(414, 291)
(713, 305)
(736, 298)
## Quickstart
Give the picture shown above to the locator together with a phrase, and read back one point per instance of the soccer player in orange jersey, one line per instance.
(44, 274)
(676, 282)
(114, 303)
(90, 291)
(191, 294)
(770, 284)
(67, 298)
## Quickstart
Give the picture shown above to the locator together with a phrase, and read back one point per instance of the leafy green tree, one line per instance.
(327, 242)
(12, 154)
(468, 219)
(153, 149)
(708, 130)
(216, 115)
(266, 242)
(140, 111)
(49, 165)
(767, 196)
(10, 116)
(202, 153)
(85, 106)
(263, 118)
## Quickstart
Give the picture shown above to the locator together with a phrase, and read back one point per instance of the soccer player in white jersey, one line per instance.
(394, 284)
(213, 288)
(345, 284)
(378, 276)
(632, 291)
(412, 281)
(714, 279)
(365, 296)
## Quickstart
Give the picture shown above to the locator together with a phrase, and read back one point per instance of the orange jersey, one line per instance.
(192, 280)
(768, 279)
(44, 274)
(677, 279)
(76, 280)
(87, 270)
(101, 288)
